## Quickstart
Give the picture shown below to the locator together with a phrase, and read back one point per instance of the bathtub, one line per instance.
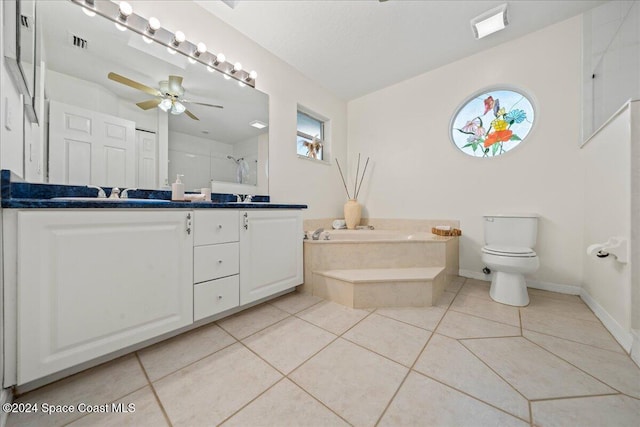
(376, 249)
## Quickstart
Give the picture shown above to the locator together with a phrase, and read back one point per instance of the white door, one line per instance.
(95, 281)
(87, 147)
(147, 153)
(270, 252)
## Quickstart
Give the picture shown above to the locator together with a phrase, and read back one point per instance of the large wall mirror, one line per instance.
(108, 125)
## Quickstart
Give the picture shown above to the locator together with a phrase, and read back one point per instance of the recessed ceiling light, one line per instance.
(490, 22)
(258, 124)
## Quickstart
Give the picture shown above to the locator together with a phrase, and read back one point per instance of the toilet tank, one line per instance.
(511, 230)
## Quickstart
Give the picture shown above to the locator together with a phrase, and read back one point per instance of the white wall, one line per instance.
(607, 213)
(418, 173)
(291, 180)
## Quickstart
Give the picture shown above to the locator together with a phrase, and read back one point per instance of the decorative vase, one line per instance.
(352, 213)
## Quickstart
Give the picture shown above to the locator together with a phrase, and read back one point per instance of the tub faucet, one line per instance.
(125, 193)
(101, 193)
(316, 234)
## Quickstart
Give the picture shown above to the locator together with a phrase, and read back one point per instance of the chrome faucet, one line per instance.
(247, 198)
(125, 193)
(101, 193)
(316, 234)
(115, 193)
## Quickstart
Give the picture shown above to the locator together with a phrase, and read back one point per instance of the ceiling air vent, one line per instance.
(78, 41)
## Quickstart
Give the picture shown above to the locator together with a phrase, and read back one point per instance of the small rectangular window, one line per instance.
(311, 138)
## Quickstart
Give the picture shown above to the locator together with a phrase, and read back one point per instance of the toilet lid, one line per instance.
(509, 251)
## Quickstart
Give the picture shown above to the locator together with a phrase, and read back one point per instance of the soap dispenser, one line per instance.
(177, 189)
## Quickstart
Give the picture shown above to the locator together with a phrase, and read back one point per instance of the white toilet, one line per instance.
(508, 252)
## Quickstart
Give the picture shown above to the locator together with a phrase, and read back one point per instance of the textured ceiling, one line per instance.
(356, 47)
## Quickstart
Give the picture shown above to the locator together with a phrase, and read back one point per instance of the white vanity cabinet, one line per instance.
(270, 252)
(216, 285)
(91, 282)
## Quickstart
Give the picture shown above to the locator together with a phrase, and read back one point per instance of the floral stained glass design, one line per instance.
(492, 123)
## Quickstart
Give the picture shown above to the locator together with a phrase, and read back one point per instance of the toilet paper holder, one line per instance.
(616, 246)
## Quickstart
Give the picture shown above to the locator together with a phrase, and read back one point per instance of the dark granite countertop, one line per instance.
(17, 194)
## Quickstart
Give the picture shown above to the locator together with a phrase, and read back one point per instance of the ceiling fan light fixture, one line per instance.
(490, 22)
(177, 108)
(165, 105)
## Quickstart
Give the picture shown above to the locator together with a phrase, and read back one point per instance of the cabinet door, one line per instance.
(92, 282)
(270, 252)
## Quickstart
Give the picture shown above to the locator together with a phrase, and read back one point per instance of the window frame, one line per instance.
(324, 128)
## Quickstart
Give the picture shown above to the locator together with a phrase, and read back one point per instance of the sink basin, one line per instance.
(95, 199)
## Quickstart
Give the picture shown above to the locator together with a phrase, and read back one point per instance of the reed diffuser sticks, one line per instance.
(356, 186)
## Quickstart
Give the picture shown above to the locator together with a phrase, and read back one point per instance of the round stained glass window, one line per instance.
(492, 123)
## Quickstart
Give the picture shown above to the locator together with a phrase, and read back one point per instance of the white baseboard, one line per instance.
(635, 347)
(6, 396)
(535, 284)
(624, 338)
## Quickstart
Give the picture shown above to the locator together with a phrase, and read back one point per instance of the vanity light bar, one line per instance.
(138, 24)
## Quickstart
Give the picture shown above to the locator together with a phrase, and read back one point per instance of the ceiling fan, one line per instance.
(168, 95)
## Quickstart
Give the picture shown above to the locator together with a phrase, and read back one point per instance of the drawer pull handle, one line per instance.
(220, 226)
(219, 296)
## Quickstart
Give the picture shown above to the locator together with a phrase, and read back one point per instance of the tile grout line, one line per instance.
(195, 361)
(571, 364)
(530, 413)
(577, 342)
(395, 394)
(407, 323)
(286, 376)
(469, 395)
(493, 370)
(582, 396)
(153, 390)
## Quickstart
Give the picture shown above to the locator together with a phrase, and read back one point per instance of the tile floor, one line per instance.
(302, 361)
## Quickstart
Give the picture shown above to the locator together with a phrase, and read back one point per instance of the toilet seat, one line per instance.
(509, 251)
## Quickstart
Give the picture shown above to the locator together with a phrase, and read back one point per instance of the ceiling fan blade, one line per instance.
(175, 84)
(202, 103)
(134, 84)
(190, 114)
(147, 105)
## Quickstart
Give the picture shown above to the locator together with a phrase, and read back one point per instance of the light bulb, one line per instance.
(179, 37)
(171, 51)
(165, 105)
(241, 84)
(154, 24)
(226, 77)
(201, 48)
(125, 9)
(253, 75)
(220, 58)
(88, 12)
(237, 67)
(210, 69)
(147, 39)
(120, 27)
(191, 60)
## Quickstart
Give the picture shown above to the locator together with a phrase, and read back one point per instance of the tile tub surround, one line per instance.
(298, 360)
(424, 250)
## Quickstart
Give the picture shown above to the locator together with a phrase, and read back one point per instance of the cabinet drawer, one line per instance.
(212, 227)
(215, 296)
(214, 261)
